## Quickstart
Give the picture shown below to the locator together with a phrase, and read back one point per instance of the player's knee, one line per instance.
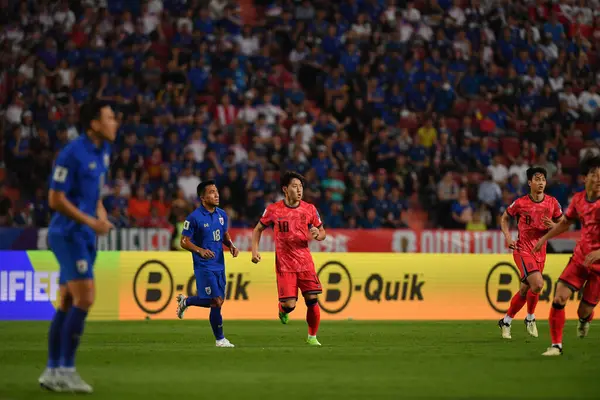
(290, 304)
(311, 302)
(217, 302)
(537, 286)
(84, 302)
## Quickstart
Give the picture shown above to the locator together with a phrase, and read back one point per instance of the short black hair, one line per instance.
(91, 111)
(536, 170)
(589, 164)
(203, 185)
(287, 177)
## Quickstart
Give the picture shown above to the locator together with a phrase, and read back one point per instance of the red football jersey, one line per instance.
(589, 214)
(291, 226)
(531, 227)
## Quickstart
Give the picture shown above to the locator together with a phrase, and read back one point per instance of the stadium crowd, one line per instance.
(387, 106)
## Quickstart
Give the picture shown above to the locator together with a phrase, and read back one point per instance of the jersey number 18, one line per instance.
(217, 235)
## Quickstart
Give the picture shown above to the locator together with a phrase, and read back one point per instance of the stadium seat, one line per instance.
(453, 124)
(510, 146)
(585, 128)
(566, 179)
(569, 163)
(575, 144)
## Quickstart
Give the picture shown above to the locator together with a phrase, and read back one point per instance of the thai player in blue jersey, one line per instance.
(204, 234)
(79, 216)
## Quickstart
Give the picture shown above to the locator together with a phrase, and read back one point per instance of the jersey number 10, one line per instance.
(217, 235)
(283, 226)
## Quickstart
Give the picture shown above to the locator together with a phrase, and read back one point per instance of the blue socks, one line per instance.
(216, 322)
(70, 335)
(197, 301)
(54, 339)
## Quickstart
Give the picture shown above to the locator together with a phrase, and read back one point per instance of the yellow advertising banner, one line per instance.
(362, 286)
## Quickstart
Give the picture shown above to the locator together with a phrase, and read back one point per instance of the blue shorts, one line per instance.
(75, 257)
(210, 284)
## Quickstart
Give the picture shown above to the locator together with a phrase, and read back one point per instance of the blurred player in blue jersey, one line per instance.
(79, 216)
(204, 234)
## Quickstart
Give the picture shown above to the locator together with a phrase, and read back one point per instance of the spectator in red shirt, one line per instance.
(139, 205)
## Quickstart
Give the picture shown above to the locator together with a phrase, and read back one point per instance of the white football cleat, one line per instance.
(181, 306)
(555, 350)
(505, 328)
(72, 382)
(224, 343)
(49, 380)
(531, 327)
(583, 328)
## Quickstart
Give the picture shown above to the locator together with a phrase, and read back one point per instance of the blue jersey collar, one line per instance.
(204, 211)
(90, 145)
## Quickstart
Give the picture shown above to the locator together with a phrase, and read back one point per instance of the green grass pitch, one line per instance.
(358, 360)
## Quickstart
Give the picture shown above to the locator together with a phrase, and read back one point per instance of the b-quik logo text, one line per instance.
(504, 280)
(339, 288)
(154, 286)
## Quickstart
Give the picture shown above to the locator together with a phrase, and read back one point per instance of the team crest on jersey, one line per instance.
(106, 160)
(82, 266)
(222, 220)
(208, 290)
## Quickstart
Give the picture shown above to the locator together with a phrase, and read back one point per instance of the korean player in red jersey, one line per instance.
(536, 213)
(294, 222)
(583, 270)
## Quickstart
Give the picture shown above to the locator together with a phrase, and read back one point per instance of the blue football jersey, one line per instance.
(79, 172)
(207, 230)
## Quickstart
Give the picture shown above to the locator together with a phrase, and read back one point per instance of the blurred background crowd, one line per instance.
(399, 113)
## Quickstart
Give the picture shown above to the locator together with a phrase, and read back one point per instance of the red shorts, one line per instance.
(527, 265)
(288, 284)
(576, 275)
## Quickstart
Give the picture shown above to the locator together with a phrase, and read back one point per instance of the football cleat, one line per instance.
(49, 380)
(224, 343)
(531, 327)
(505, 328)
(284, 317)
(72, 382)
(181, 306)
(312, 340)
(583, 328)
(555, 350)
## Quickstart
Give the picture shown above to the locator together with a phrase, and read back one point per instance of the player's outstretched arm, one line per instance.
(504, 226)
(561, 227)
(58, 201)
(186, 243)
(256, 234)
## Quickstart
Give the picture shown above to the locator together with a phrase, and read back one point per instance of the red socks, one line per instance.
(532, 300)
(557, 322)
(313, 318)
(516, 303)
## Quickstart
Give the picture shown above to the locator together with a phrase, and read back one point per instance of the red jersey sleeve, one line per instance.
(572, 213)
(315, 218)
(514, 209)
(267, 217)
(556, 210)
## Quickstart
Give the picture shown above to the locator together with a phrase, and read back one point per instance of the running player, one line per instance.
(536, 213)
(75, 196)
(204, 234)
(294, 222)
(584, 266)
